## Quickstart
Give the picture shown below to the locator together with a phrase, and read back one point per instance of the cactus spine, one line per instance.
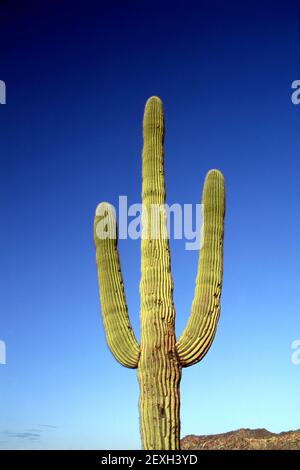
(159, 358)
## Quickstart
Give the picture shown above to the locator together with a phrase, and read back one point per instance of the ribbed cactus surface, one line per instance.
(159, 358)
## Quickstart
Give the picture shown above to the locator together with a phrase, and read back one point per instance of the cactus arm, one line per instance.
(200, 330)
(118, 331)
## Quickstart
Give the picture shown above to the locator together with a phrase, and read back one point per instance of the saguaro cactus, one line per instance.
(159, 358)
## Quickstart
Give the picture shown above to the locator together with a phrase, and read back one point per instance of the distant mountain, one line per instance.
(244, 439)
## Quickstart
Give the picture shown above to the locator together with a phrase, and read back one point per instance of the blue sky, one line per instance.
(77, 78)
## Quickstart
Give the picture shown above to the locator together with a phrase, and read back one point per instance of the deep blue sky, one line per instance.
(77, 79)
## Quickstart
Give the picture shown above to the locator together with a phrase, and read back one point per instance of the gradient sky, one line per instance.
(77, 78)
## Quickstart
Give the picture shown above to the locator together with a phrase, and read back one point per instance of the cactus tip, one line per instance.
(153, 100)
(214, 173)
(153, 114)
(102, 208)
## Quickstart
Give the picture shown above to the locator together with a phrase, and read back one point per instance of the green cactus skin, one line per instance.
(159, 358)
(118, 331)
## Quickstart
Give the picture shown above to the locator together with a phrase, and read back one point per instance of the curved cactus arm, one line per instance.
(119, 335)
(200, 330)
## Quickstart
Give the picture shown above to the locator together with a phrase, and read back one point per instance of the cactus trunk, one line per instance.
(160, 358)
(159, 370)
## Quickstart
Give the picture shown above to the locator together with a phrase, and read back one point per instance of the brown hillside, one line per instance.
(244, 439)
